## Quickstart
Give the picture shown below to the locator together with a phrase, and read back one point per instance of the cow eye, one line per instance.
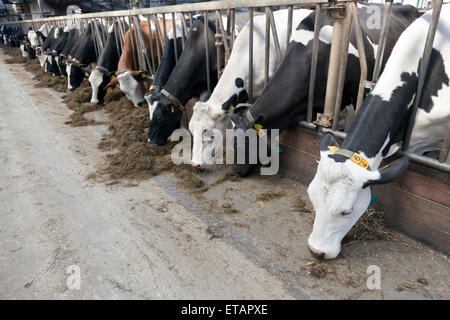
(346, 212)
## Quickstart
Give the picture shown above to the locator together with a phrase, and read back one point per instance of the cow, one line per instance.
(69, 47)
(134, 83)
(47, 48)
(82, 55)
(284, 100)
(165, 68)
(36, 39)
(106, 67)
(232, 88)
(340, 190)
(56, 49)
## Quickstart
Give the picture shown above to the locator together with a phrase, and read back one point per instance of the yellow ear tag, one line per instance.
(151, 88)
(231, 108)
(333, 149)
(109, 90)
(86, 74)
(113, 77)
(143, 75)
(259, 130)
(360, 161)
(173, 110)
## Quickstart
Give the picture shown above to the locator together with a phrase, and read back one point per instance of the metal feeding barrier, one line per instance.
(343, 12)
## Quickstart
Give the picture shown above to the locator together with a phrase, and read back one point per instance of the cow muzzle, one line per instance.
(317, 254)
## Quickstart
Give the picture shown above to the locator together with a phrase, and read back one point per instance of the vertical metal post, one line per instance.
(445, 146)
(266, 48)
(175, 46)
(334, 67)
(361, 54)
(151, 64)
(289, 24)
(423, 71)
(208, 73)
(250, 56)
(382, 40)
(315, 54)
(343, 67)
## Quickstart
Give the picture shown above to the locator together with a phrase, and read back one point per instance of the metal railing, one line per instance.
(343, 12)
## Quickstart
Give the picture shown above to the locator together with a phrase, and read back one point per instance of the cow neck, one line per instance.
(109, 58)
(286, 95)
(191, 67)
(167, 64)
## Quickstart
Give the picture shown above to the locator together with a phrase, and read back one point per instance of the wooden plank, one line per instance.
(423, 219)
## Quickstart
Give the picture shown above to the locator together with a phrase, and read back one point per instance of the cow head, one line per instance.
(75, 75)
(340, 193)
(134, 84)
(203, 121)
(99, 78)
(165, 118)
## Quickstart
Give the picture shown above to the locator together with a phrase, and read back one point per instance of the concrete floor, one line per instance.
(156, 241)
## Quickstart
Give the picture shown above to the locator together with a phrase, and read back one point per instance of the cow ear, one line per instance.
(390, 172)
(87, 72)
(143, 74)
(204, 96)
(328, 139)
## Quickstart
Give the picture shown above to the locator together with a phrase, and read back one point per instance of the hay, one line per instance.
(270, 196)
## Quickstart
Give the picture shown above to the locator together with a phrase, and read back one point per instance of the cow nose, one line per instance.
(198, 166)
(95, 102)
(316, 254)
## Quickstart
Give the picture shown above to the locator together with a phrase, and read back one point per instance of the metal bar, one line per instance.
(267, 49)
(445, 146)
(183, 31)
(233, 27)
(132, 37)
(289, 23)
(315, 54)
(146, 56)
(361, 54)
(382, 40)
(224, 37)
(164, 28)
(444, 167)
(423, 71)
(208, 72)
(250, 56)
(218, 45)
(343, 67)
(273, 26)
(200, 6)
(158, 36)
(334, 68)
(175, 46)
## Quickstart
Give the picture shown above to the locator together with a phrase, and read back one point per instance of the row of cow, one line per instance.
(340, 191)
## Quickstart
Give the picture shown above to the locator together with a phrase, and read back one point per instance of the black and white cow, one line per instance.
(232, 88)
(187, 80)
(284, 100)
(165, 68)
(340, 190)
(106, 67)
(69, 47)
(47, 48)
(82, 55)
(57, 48)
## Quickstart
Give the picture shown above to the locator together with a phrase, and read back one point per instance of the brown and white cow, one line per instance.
(135, 83)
